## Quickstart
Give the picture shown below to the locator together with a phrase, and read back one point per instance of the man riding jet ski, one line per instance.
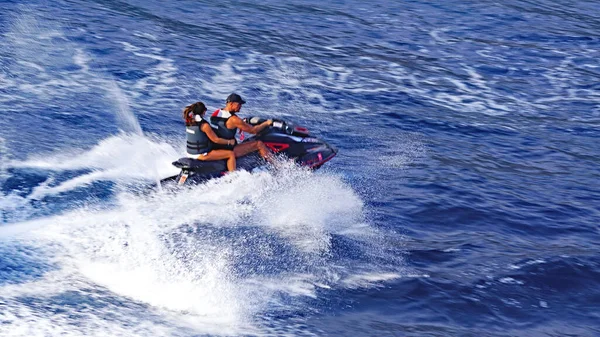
(277, 136)
(227, 124)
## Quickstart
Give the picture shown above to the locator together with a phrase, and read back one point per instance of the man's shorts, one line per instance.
(223, 147)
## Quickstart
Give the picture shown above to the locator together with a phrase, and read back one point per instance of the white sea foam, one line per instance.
(144, 249)
(510, 280)
(436, 35)
(370, 279)
(161, 77)
(118, 158)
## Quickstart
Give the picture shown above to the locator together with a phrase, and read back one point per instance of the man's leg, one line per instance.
(255, 145)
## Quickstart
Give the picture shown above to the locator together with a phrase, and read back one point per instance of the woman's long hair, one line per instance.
(190, 112)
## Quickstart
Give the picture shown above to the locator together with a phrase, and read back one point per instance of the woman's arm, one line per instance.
(213, 137)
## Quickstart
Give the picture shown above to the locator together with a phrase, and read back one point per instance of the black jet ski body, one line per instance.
(283, 138)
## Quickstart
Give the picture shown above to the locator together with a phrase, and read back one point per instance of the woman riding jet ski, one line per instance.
(201, 139)
(277, 136)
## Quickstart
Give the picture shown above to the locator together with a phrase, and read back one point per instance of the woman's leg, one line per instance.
(221, 154)
(255, 145)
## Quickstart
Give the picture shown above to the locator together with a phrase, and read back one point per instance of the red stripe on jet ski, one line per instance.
(313, 165)
(277, 147)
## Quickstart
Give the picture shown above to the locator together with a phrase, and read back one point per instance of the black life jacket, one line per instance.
(219, 119)
(197, 140)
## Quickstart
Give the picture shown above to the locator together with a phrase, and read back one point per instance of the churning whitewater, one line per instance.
(210, 258)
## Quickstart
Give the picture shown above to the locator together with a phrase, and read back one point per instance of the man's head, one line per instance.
(234, 103)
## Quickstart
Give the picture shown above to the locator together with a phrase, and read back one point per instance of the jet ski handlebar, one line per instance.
(288, 128)
(258, 120)
(278, 124)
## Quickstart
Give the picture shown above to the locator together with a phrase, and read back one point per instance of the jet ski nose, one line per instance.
(333, 148)
(318, 155)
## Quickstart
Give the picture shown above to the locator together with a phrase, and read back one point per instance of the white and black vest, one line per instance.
(219, 119)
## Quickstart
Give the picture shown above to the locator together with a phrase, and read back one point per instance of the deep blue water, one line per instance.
(465, 199)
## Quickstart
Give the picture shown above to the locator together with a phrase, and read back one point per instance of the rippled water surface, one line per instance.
(464, 201)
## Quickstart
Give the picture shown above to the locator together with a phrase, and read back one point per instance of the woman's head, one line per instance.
(191, 111)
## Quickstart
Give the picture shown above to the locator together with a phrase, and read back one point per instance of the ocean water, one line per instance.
(464, 201)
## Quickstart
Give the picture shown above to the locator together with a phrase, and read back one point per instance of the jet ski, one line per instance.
(282, 138)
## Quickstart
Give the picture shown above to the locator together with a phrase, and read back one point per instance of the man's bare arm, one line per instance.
(237, 122)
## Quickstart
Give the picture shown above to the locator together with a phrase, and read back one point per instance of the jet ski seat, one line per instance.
(195, 164)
